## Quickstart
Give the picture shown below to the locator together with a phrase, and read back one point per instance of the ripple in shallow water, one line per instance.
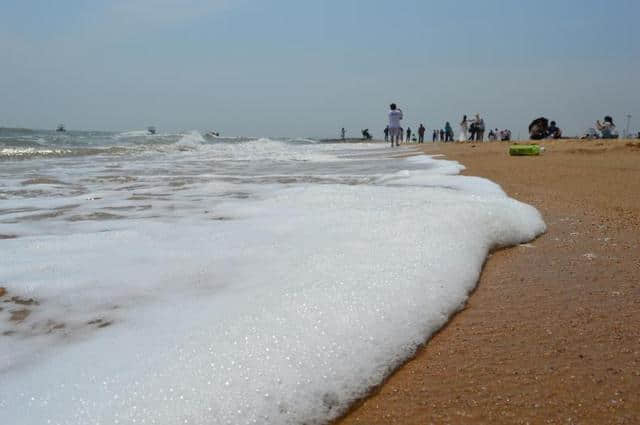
(95, 216)
(42, 180)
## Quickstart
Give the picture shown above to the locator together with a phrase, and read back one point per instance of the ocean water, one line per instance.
(176, 278)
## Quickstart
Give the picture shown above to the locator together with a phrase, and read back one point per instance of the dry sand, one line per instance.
(552, 333)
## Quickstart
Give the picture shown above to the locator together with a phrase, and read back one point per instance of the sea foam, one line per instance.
(282, 308)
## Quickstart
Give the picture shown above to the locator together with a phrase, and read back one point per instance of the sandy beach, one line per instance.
(552, 333)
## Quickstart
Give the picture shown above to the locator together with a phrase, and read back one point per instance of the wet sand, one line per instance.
(552, 333)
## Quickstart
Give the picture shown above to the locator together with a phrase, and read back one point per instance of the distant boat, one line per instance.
(61, 128)
(212, 134)
(151, 130)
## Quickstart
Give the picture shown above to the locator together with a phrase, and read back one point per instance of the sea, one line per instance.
(183, 278)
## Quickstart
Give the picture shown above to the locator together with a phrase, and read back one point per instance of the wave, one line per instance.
(12, 153)
(132, 133)
(302, 141)
(193, 138)
(136, 142)
(22, 141)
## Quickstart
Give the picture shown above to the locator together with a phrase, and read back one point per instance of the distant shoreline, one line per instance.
(351, 140)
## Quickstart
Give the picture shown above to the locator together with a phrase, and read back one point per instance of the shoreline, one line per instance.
(552, 331)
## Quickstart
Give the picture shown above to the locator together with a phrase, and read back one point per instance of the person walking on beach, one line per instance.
(479, 122)
(441, 135)
(434, 136)
(421, 131)
(448, 131)
(386, 134)
(464, 129)
(342, 133)
(408, 139)
(395, 131)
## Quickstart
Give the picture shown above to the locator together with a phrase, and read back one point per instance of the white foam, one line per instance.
(283, 312)
(133, 133)
(30, 151)
(193, 138)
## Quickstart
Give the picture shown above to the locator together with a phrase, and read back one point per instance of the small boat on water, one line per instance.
(61, 128)
(151, 130)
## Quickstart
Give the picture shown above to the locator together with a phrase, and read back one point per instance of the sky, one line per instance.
(306, 68)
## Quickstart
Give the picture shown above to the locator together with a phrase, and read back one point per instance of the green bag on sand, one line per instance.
(524, 150)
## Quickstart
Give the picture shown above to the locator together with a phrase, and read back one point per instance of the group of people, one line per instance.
(410, 135)
(541, 128)
(444, 134)
(474, 130)
(470, 130)
(501, 135)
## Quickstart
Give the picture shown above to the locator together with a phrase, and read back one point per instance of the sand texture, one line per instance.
(552, 333)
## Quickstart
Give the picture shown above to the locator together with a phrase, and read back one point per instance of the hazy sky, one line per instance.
(307, 68)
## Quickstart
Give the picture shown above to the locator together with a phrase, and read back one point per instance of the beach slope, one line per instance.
(552, 333)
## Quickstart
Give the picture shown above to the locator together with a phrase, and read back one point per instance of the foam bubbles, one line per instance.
(194, 138)
(287, 310)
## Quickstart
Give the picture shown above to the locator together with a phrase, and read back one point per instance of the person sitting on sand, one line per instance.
(589, 134)
(554, 131)
(539, 128)
(607, 128)
(505, 135)
(365, 134)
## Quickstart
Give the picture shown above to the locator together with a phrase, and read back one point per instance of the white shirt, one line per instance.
(608, 128)
(394, 118)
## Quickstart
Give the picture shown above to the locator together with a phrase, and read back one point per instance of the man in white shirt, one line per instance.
(395, 130)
